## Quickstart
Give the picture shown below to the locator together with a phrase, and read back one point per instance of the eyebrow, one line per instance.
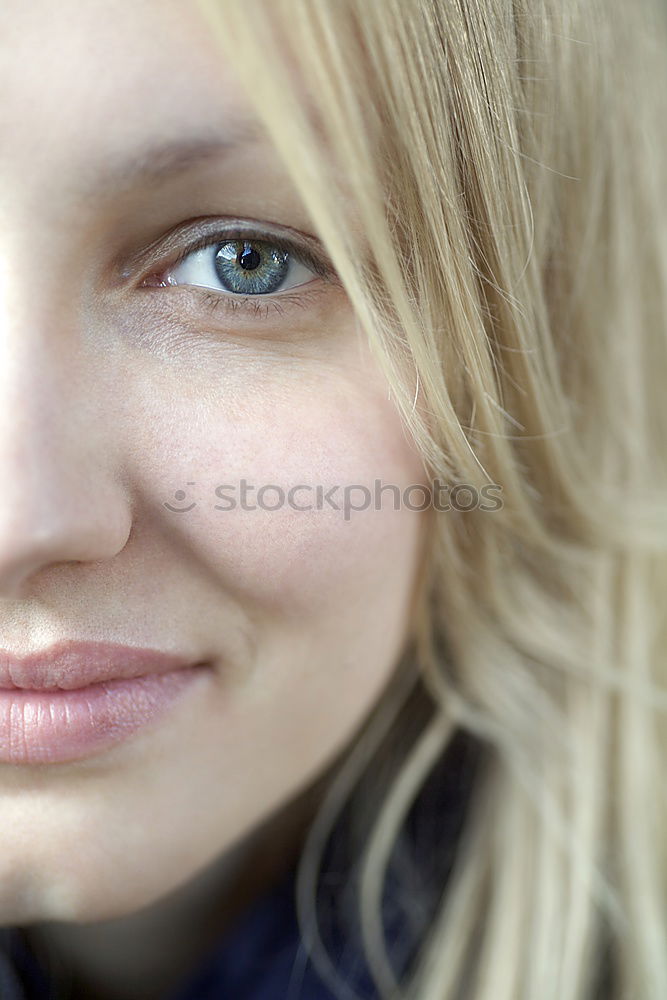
(165, 159)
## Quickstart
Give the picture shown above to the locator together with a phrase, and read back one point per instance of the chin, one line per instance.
(32, 898)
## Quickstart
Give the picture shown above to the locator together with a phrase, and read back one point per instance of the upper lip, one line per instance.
(68, 665)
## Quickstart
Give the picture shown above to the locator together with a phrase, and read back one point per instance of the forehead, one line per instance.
(93, 89)
(110, 74)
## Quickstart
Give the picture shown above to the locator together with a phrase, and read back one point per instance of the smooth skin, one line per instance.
(119, 389)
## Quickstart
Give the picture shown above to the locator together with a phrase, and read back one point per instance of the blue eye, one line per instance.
(241, 267)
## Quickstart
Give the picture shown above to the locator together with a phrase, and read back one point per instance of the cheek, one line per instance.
(332, 435)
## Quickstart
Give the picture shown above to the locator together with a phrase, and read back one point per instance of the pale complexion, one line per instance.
(114, 395)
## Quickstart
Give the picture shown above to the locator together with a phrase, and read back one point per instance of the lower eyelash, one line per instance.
(214, 301)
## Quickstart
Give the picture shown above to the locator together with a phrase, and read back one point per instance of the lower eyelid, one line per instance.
(196, 298)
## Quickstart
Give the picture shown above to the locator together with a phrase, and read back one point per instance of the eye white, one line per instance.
(198, 268)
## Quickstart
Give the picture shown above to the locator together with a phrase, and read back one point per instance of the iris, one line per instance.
(250, 268)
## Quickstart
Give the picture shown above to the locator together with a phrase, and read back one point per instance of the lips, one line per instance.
(79, 699)
(69, 665)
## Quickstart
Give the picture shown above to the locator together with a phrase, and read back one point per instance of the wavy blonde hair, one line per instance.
(505, 162)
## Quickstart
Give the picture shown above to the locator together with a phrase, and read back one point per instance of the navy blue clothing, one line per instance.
(21, 975)
(262, 958)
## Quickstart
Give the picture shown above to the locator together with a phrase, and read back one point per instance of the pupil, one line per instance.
(248, 258)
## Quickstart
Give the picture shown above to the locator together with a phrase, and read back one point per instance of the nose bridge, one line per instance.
(59, 501)
(39, 368)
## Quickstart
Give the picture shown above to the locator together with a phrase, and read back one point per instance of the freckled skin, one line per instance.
(115, 397)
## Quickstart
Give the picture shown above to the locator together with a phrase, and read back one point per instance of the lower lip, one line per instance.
(51, 727)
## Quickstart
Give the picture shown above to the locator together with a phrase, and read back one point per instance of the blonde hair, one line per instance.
(505, 160)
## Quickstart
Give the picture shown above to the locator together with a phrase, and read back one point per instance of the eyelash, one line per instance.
(258, 306)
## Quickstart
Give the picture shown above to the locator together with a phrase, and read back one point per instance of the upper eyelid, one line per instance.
(194, 234)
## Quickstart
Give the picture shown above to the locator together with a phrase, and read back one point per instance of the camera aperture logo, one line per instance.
(348, 499)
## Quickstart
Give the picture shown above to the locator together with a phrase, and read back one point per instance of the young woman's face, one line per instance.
(133, 385)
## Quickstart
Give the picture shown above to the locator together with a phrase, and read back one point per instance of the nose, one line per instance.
(61, 500)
